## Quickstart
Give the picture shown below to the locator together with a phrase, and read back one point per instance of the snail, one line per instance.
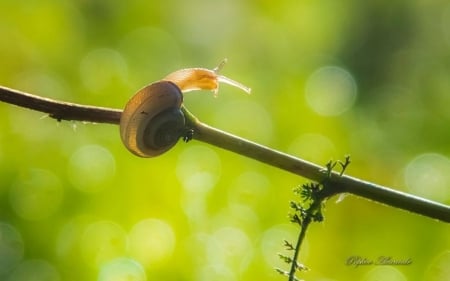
(152, 121)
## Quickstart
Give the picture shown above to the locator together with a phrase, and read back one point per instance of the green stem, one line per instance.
(301, 237)
(341, 184)
(71, 111)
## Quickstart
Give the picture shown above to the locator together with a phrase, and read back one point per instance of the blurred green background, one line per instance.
(329, 78)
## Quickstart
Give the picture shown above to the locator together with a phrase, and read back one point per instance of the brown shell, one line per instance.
(139, 112)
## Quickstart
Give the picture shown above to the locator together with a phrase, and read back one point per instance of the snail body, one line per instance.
(152, 121)
(191, 79)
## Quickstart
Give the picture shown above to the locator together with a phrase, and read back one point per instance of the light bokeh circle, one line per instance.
(36, 194)
(439, 268)
(35, 270)
(11, 247)
(199, 169)
(385, 273)
(330, 91)
(428, 175)
(91, 168)
(151, 241)
(102, 241)
(122, 269)
(101, 69)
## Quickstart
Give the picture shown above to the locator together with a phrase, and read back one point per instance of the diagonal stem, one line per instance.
(69, 111)
(303, 228)
(316, 173)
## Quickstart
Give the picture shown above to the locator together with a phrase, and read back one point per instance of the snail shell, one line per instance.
(152, 121)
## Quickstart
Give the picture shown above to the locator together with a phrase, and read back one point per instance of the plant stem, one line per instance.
(69, 111)
(301, 237)
(341, 184)
(60, 110)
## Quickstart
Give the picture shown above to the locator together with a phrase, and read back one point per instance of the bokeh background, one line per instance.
(329, 78)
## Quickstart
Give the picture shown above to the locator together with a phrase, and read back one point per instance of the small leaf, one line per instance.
(282, 272)
(301, 267)
(344, 164)
(298, 189)
(286, 259)
(296, 206)
(295, 219)
(318, 216)
(288, 245)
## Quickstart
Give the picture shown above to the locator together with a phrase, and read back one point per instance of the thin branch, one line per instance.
(202, 132)
(301, 237)
(314, 172)
(61, 110)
